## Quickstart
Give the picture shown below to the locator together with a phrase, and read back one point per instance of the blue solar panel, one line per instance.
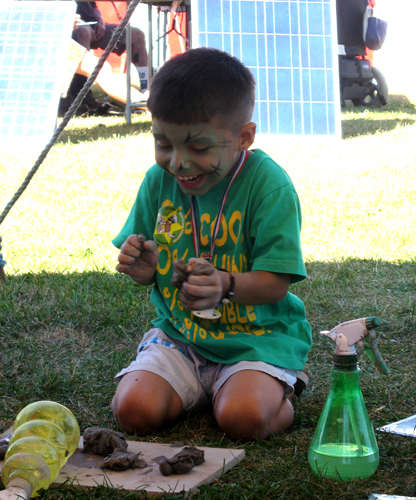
(34, 42)
(291, 48)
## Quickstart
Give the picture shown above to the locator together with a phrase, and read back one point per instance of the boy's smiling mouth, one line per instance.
(189, 178)
(190, 181)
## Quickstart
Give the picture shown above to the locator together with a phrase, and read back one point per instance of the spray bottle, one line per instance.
(344, 446)
(45, 435)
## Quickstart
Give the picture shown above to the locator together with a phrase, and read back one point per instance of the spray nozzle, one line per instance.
(358, 332)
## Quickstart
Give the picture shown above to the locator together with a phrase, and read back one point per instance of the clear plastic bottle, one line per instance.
(45, 435)
(344, 446)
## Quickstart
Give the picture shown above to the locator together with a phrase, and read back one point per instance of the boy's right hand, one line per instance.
(138, 258)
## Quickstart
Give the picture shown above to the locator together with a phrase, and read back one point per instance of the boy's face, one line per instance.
(199, 156)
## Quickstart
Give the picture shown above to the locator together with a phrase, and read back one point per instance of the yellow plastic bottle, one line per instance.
(45, 435)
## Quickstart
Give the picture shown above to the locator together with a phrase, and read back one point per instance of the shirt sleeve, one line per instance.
(142, 217)
(275, 227)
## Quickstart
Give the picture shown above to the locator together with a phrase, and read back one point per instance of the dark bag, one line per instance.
(375, 30)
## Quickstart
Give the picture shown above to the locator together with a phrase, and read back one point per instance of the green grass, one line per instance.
(68, 322)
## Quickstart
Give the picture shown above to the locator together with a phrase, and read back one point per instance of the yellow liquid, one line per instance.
(29, 467)
(45, 431)
(45, 435)
(60, 416)
(37, 447)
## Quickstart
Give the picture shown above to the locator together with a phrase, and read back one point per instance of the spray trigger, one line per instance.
(358, 332)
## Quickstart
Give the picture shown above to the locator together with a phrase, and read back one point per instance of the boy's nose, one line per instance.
(176, 162)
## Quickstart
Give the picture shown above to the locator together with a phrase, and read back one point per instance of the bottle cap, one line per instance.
(346, 362)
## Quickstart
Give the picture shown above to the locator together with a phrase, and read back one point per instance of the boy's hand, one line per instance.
(203, 288)
(138, 258)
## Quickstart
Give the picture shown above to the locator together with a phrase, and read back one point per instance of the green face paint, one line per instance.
(199, 156)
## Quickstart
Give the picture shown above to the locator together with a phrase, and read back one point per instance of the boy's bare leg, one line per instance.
(144, 402)
(251, 405)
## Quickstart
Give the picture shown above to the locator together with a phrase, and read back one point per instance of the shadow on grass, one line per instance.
(106, 128)
(396, 103)
(363, 127)
(361, 121)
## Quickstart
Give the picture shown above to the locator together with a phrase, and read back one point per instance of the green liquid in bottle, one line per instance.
(343, 461)
(344, 446)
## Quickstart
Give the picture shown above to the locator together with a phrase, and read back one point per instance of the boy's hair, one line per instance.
(202, 84)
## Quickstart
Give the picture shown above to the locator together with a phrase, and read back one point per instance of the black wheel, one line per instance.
(378, 87)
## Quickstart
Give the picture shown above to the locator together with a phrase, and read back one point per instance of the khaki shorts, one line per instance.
(195, 379)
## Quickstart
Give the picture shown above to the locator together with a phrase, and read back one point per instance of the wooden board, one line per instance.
(83, 470)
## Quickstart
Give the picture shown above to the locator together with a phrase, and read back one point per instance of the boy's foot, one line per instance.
(300, 385)
(301, 382)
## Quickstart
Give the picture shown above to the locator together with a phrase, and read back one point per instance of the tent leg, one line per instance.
(2, 264)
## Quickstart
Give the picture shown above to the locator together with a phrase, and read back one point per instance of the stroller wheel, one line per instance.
(378, 91)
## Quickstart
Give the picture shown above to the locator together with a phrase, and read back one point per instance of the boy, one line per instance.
(245, 361)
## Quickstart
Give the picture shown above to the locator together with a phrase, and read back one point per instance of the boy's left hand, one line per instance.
(204, 287)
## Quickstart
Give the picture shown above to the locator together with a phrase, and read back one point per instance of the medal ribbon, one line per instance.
(195, 235)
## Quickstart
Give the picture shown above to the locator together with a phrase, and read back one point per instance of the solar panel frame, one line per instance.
(34, 44)
(291, 48)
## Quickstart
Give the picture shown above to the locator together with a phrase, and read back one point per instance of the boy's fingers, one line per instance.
(133, 245)
(198, 305)
(149, 246)
(130, 251)
(194, 292)
(128, 260)
(133, 240)
(124, 269)
(200, 267)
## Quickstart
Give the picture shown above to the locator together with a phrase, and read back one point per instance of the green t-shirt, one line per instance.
(260, 230)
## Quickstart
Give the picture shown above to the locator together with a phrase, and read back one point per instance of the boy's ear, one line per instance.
(247, 135)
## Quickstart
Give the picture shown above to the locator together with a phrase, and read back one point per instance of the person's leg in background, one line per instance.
(113, 85)
(83, 35)
(139, 56)
(138, 47)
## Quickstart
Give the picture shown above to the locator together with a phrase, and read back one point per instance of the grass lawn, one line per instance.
(68, 322)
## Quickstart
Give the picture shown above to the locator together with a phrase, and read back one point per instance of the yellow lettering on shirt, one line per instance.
(174, 299)
(220, 335)
(202, 333)
(235, 217)
(234, 329)
(240, 319)
(250, 313)
(232, 318)
(234, 267)
(205, 238)
(165, 269)
(221, 238)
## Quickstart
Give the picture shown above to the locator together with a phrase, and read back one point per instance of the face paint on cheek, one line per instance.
(216, 168)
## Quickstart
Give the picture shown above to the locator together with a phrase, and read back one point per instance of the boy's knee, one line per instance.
(242, 422)
(136, 415)
(144, 402)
